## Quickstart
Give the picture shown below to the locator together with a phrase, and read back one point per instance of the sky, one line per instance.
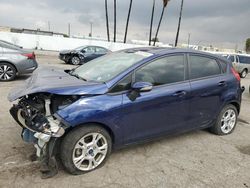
(221, 23)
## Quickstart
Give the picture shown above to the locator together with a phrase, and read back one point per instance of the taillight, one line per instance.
(236, 74)
(30, 55)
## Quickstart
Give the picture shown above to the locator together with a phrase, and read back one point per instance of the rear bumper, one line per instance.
(27, 66)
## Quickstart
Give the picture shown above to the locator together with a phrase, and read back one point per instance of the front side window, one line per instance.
(162, 71)
(203, 67)
(89, 49)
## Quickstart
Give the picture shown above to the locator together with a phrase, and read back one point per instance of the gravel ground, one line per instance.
(195, 159)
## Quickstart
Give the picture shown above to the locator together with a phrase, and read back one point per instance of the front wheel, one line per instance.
(226, 121)
(85, 149)
(75, 60)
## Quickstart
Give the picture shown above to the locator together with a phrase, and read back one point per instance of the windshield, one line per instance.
(107, 67)
(79, 48)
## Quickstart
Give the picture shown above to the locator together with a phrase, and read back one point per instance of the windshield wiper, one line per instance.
(77, 76)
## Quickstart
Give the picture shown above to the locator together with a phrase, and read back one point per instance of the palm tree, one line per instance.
(114, 20)
(165, 3)
(126, 30)
(107, 19)
(179, 24)
(151, 23)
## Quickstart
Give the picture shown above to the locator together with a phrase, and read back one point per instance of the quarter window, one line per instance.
(162, 71)
(123, 85)
(203, 67)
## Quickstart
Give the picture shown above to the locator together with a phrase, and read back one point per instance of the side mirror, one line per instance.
(142, 86)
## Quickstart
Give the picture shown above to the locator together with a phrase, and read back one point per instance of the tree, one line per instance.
(165, 3)
(126, 30)
(155, 40)
(107, 19)
(114, 20)
(179, 24)
(151, 23)
(248, 45)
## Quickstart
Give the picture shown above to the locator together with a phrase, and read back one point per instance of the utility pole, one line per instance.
(151, 24)
(179, 24)
(189, 34)
(69, 29)
(49, 25)
(91, 29)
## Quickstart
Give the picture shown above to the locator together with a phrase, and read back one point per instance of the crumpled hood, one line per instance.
(56, 81)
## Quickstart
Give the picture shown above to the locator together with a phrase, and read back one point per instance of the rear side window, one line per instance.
(203, 67)
(162, 71)
(244, 59)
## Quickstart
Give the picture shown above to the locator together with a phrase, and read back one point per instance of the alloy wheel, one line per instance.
(75, 60)
(6, 72)
(90, 151)
(228, 121)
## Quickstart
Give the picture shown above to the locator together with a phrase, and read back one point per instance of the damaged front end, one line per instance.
(34, 113)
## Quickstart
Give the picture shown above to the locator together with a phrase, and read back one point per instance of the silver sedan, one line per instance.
(15, 61)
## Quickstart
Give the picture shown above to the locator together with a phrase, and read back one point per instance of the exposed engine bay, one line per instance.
(35, 114)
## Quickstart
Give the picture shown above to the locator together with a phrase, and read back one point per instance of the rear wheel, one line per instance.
(7, 72)
(75, 60)
(243, 74)
(85, 149)
(226, 122)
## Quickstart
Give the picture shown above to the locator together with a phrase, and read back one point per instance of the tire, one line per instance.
(243, 74)
(75, 60)
(7, 72)
(226, 121)
(76, 145)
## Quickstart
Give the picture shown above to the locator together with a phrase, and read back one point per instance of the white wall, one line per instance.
(31, 41)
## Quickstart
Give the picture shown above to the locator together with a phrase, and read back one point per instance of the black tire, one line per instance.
(75, 60)
(71, 139)
(217, 128)
(243, 74)
(8, 75)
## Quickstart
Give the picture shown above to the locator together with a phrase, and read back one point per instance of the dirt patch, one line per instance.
(244, 149)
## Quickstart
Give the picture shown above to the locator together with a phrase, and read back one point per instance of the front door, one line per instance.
(164, 109)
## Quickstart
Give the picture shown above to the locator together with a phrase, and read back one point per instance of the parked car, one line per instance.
(9, 43)
(123, 98)
(15, 61)
(241, 63)
(82, 54)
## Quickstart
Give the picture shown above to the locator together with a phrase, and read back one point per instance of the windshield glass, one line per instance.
(107, 67)
(79, 48)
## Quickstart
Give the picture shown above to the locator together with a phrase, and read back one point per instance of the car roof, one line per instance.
(159, 51)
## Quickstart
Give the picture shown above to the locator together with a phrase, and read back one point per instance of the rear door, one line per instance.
(208, 85)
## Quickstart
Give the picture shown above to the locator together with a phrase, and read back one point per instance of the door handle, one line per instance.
(222, 83)
(179, 93)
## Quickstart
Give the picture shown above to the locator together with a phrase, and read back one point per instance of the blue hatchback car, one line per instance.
(123, 98)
